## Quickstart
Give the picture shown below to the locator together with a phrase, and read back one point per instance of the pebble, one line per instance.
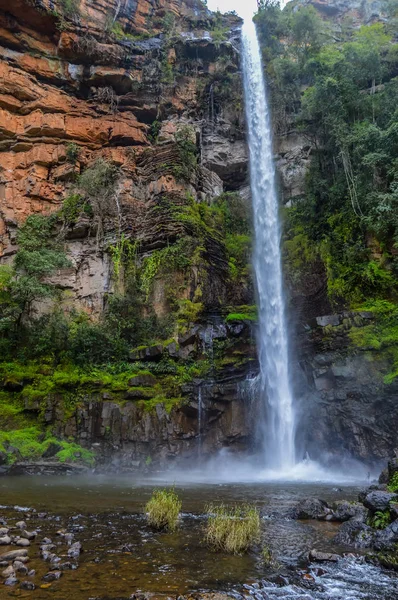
(22, 542)
(20, 525)
(323, 556)
(27, 585)
(12, 580)
(19, 567)
(32, 573)
(52, 576)
(47, 548)
(29, 535)
(5, 540)
(75, 550)
(46, 540)
(8, 572)
(67, 566)
(42, 515)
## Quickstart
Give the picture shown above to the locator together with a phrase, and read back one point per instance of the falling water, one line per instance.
(200, 418)
(277, 424)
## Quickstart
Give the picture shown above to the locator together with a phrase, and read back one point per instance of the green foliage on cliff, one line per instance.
(32, 443)
(348, 217)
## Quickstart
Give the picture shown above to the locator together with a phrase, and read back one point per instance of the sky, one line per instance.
(244, 8)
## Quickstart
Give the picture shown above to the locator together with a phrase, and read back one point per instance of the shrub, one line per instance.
(393, 484)
(232, 530)
(163, 510)
(72, 152)
(381, 519)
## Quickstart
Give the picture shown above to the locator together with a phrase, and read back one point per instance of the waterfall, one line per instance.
(200, 418)
(277, 423)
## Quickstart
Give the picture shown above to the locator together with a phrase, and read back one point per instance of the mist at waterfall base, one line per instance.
(278, 458)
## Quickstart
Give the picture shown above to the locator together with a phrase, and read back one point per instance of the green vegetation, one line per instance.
(381, 519)
(31, 443)
(232, 530)
(163, 510)
(346, 219)
(381, 334)
(393, 483)
(72, 152)
(70, 8)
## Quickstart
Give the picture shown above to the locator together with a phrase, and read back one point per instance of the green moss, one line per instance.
(31, 443)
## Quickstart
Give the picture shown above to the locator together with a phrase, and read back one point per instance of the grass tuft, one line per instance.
(232, 530)
(163, 510)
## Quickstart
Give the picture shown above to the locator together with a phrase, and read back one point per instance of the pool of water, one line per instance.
(122, 555)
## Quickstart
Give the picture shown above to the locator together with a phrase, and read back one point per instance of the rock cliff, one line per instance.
(124, 120)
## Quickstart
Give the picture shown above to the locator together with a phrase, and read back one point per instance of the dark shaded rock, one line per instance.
(52, 576)
(323, 556)
(142, 380)
(67, 566)
(387, 538)
(379, 500)
(147, 353)
(392, 467)
(27, 585)
(326, 320)
(52, 450)
(355, 533)
(310, 508)
(343, 511)
(3, 458)
(188, 338)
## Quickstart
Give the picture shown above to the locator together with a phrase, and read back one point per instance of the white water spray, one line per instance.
(278, 423)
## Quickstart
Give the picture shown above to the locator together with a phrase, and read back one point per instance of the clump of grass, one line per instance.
(232, 530)
(163, 510)
(266, 556)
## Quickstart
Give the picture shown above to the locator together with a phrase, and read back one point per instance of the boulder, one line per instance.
(379, 500)
(386, 539)
(344, 510)
(13, 554)
(8, 572)
(144, 380)
(75, 550)
(23, 542)
(310, 508)
(355, 533)
(323, 556)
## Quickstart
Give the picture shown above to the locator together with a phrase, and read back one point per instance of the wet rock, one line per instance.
(52, 576)
(8, 572)
(379, 500)
(46, 540)
(27, 585)
(310, 508)
(3, 531)
(355, 533)
(20, 525)
(13, 554)
(387, 538)
(67, 566)
(28, 535)
(42, 515)
(344, 510)
(75, 550)
(47, 548)
(323, 556)
(19, 567)
(3, 563)
(5, 540)
(12, 580)
(22, 542)
(32, 573)
(147, 353)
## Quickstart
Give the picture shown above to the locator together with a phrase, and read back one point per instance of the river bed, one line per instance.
(122, 555)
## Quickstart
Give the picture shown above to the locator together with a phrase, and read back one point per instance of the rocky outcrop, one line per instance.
(347, 406)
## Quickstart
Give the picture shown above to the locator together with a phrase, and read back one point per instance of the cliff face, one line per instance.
(124, 119)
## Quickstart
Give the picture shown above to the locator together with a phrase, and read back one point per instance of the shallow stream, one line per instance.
(122, 555)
